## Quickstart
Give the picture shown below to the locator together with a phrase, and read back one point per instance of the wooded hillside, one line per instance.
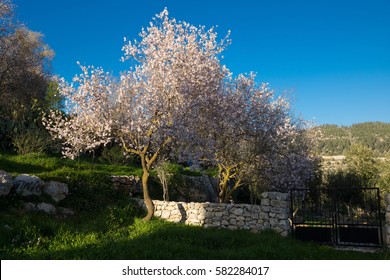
(335, 140)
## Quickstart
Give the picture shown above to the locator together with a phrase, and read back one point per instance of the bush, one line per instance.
(30, 140)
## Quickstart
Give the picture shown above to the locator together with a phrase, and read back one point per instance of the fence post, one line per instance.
(387, 222)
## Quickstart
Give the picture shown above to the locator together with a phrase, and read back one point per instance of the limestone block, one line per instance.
(238, 211)
(247, 214)
(6, 183)
(272, 195)
(27, 185)
(273, 221)
(265, 202)
(217, 223)
(282, 216)
(233, 221)
(272, 214)
(266, 209)
(209, 215)
(65, 211)
(283, 196)
(157, 213)
(201, 217)
(218, 214)
(266, 226)
(263, 216)
(240, 218)
(279, 203)
(264, 194)
(256, 208)
(46, 207)
(281, 210)
(254, 215)
(175, 212)
(56, 190)
(217, 219)
(240, 223)
(193, 217)
(232, 227)
(165, 214)
(224, 223)
(30, 206)
(284, 233)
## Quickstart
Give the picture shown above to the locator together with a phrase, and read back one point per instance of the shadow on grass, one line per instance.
(162, 240)
(19, 167)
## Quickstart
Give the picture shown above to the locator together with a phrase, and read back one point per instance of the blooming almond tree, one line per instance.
(255, 141)
(152, 106)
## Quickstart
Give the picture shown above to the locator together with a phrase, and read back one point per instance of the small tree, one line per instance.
(254, 140)
(361, 162)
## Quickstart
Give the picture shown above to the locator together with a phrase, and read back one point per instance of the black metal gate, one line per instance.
(350, 217)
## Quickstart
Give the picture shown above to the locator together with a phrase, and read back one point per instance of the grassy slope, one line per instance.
(108, 228)
(105, 236)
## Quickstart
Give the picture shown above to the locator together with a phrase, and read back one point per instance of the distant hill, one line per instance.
(336, 140)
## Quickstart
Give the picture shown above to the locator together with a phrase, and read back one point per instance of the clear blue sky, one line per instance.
(333, 55)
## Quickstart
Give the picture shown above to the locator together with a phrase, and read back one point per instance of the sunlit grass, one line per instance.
(119, 233)
(108, 226)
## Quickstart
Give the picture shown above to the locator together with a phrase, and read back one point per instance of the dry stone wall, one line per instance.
(272, 213)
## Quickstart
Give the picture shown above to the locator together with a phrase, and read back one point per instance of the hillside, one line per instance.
(335, 140)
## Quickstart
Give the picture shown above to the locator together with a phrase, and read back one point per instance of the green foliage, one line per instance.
(115, 155)
(123, 214)
(336, 140)
(30, 140)
(384, 179)
(361, 162)
(90, 187)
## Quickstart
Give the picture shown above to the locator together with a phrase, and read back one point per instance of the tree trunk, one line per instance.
(148, 201)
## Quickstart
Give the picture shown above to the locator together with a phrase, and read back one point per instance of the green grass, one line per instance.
(119, 233)
(109, 226)
(89, 182)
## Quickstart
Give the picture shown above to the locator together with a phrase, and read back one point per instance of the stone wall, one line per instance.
(387, 224)
(272, 214)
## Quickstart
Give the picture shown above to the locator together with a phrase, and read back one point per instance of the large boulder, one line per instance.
(27, 185)
(56, 190)
(6, 183)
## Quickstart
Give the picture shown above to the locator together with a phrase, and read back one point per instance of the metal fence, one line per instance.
(337, 216)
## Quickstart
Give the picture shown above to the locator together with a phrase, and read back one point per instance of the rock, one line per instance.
(65, 211)
(7, 227)
(46, 207)
(30, 206)
(57, 191)
(6, 183)
(27, 185)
